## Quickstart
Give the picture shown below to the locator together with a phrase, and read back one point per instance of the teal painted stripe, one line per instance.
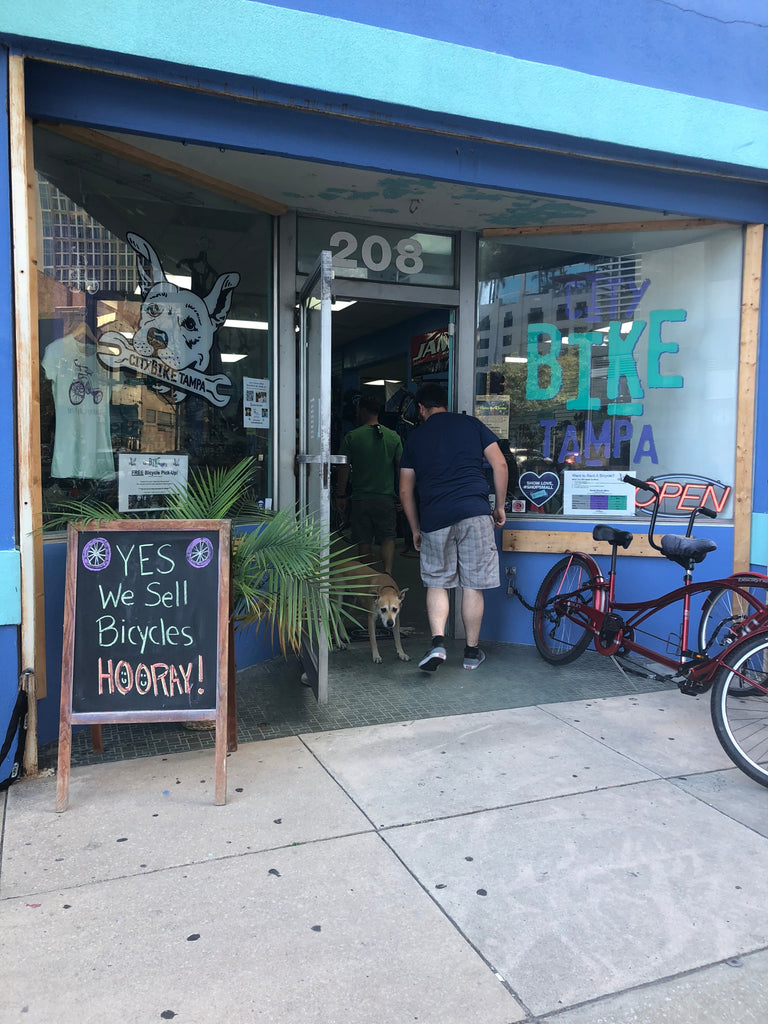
(379, 65)
(10, 588)
(758, 545)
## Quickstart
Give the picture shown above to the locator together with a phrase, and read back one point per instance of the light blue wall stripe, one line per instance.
(758, 547)
(10, 588)
(311, 51)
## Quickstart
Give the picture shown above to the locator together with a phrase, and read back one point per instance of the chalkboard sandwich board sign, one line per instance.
(146, 629)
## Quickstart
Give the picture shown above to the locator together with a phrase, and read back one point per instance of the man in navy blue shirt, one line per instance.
(453, 524)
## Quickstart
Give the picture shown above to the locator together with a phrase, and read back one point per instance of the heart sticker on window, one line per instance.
(539, 489)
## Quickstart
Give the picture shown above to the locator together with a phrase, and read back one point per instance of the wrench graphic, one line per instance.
(116, 351)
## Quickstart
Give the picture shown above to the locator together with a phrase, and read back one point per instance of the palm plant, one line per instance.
(285, 577)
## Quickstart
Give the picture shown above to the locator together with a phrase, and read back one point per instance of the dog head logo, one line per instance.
(177, 326)
(387, 602)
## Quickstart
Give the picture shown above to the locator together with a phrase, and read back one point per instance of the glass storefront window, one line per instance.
(589, 366)
(154, 301)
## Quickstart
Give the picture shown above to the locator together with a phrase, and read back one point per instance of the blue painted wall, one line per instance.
(759, 545)
(69, 94)
(638, 579)
(649, 42)
(9, 578)
(387, 68)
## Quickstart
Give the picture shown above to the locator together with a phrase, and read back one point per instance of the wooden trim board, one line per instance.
(556, 542)
(542, 230)
(27, 403)
(745, 421)
(135, 155)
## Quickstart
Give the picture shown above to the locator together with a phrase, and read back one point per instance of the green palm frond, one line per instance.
(213, 493)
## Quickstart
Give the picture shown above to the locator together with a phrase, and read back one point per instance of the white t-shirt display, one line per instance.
(82, 446)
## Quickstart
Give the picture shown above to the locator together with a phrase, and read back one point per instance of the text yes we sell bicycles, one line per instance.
(576, 606)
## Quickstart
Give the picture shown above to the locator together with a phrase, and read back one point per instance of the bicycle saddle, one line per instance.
(685, 550)
(622, 538)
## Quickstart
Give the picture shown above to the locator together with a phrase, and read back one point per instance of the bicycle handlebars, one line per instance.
(641, 484)
(653, 488)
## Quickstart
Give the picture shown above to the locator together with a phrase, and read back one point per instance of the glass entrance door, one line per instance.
(314, 454)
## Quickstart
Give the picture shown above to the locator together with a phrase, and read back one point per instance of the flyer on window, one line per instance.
(144, 480)
(602, 492)
(255, 402)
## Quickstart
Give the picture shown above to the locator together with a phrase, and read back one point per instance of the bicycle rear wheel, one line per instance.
(558, 639)
(723, 612)
(740, 708)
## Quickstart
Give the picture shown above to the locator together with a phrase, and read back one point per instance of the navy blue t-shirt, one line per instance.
(446, 453)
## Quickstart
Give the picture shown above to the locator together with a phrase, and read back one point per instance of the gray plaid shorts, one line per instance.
(464, 555)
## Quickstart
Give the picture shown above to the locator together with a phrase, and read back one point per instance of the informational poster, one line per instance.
(493, 410)
(255, 402)
(597, 493)
(144, 480)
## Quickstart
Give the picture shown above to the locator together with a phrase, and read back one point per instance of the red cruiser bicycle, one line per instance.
(576, 606)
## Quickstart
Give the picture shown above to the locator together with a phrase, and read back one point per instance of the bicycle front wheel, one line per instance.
(740, 707)
(557, 637)
(724, 610)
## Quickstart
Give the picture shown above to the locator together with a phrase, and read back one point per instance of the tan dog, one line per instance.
(386, 600)
(378, 593)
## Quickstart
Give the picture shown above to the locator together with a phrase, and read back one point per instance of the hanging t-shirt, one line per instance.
(82, 447)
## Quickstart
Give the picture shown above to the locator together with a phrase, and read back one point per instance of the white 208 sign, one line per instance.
(376, 253)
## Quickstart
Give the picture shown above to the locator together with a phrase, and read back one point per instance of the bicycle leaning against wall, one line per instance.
(576, 606)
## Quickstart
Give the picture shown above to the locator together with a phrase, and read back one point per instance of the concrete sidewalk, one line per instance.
(590, 862)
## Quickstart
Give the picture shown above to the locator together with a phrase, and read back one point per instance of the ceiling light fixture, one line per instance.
(248, 325)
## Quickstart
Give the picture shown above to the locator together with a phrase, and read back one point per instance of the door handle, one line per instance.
(334, 460)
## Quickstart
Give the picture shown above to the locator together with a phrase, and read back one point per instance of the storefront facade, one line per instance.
(590, 288)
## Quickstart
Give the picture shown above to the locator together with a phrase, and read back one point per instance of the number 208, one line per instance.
(376, 253)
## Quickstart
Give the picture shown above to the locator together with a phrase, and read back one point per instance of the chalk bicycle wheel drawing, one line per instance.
(199, 552)
(97, 554)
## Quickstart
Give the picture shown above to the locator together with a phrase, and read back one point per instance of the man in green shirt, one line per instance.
(373, 461)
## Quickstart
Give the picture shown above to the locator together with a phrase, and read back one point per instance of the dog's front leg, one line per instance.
(398, 646)
(341, 645)
(372, 634)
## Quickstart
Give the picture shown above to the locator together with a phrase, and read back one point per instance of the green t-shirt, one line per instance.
(371, 452)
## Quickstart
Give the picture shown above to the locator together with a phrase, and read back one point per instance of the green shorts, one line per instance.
(372, 519)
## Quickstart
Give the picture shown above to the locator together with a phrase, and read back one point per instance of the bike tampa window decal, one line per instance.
(174, 339)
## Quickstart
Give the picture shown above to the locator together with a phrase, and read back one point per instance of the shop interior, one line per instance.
(387, 350)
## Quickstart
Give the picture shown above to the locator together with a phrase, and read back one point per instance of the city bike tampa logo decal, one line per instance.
(175, 335)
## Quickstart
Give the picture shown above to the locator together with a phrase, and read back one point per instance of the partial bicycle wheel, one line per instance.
(740, 707)
(558, 639)
(724, 610)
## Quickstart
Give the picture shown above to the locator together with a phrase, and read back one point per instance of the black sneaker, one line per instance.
(434, 657)
(473, 657)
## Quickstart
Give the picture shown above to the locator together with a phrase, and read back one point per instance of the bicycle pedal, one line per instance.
(692, 689)
(612, 625)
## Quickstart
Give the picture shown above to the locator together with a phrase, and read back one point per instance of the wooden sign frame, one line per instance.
(68, 683)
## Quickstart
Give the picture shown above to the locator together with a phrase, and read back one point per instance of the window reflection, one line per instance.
(154, 330)
(589, 366)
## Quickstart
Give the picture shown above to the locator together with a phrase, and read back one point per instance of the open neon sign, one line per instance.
(681, 494)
